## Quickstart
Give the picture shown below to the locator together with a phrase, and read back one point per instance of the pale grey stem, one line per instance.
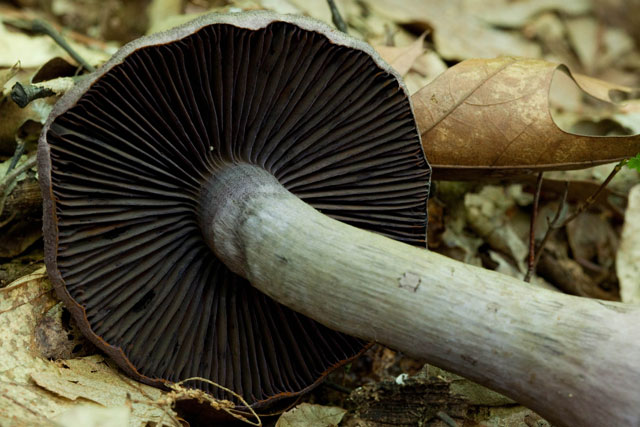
(575, 361)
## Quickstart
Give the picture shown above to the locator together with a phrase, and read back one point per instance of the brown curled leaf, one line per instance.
(491, 119)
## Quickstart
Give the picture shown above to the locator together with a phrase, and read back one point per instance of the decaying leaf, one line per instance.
(490, 214)
(34, 390)
(309, 415)
(20, 123)
(457, 32)
(91, 416)
(491, 118)
(628, 256)
(514, 14)
(20, 207)
(6, 75)
(402, 58)
(423, 71)
(34, 50)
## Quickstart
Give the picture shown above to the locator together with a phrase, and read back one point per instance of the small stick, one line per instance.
(336, 17)
(24, 94)
(555, 225)
(16, 156)
(552, 224)
(450, 422)
(5, 183)
(532, 230)
(592, 198)
(42, 27)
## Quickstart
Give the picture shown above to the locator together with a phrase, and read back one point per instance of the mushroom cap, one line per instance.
(124, 155)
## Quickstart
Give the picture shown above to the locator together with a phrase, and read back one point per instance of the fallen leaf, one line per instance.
(491, 118)
(91, 416)
(628, 255)
(34, 390)
(14, 119)
(605, 91)
(550, 32)
(620, 185)
(34, 50)
(402, 58)
(457, 32)
(620, 13)
(597, 45)
(584, 34)
(424, 70)
(568, 275)
(309, 415)
(514, 14)
(593, 244)
(490, 214)
(6, 75)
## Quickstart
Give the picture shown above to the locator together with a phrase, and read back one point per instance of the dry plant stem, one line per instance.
(336, 17)
(43, 27)
(7, 180)
(532, 230)
(560, 355)
(554, 224)
(23, 95)
(20, 146)
(447, 419)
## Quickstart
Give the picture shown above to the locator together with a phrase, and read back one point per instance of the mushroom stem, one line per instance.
(571, 359)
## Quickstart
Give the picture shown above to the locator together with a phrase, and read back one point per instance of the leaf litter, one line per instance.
(476, 142)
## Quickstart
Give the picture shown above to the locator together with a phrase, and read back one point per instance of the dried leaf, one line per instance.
(514, 14)
(491, 118)
(628, 256)
(424, 70)
(597, 46)
(33, 390)
(309, 415)
(593, 244)
(403, 58)
(34, 50)
(457, 32)
(6, 75)
(583, 33)
(490, 214)
(92, 416)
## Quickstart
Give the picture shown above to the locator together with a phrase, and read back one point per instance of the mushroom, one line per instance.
(274, 150)
(132, 164)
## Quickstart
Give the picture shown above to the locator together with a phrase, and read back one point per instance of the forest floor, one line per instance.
(480, 211)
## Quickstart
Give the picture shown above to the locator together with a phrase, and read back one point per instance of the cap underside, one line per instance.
(127, 164)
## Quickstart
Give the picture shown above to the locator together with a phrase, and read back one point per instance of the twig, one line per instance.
(16, 156)
(24, 94)
(450, 422)
(552, 225)
(336, 17)
(555, 223)
(592, 198)
(43, 27)
(532, 230)
(6, 182)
